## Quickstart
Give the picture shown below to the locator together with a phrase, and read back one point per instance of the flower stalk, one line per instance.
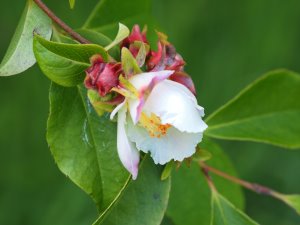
(257, 188)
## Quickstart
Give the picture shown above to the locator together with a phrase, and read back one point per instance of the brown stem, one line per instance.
(208, 178)
(59, 22)
(251, 186)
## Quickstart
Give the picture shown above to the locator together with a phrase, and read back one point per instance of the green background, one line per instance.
(227, 44)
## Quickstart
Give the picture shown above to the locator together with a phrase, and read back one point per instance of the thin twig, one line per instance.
(260, 189)
(62, 24)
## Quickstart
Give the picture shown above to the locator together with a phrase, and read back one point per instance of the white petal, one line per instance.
(174, 145)
(144, 82)
(175, 105)
(128, 153)
(116, 110)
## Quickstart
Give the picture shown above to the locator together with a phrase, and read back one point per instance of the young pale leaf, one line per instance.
(122, 34)
(84, 145)
(129, 63)
(109, 12)
(72, 3)
(190, 197)
(19, 56)
(167, 170)
(291, 200)
(225, 213)
(266, 111)
(143, 201)
(65, 64)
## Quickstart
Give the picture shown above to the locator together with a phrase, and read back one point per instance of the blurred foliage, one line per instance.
(227, 44)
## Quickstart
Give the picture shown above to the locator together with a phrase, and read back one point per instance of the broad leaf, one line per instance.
(109, 12)
(100, 39)
(72, 3)
(225, 213)
(190, 194)
(266, 111)
(144, 201)
(65, 64)
(84, 145)
(19, 56)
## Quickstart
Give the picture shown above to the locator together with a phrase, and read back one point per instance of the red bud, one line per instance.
(102, 76)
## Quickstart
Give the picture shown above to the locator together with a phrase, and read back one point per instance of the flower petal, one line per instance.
(116, 110)
(174, 104)
(144, 83)
(128, 153)
(174, 145)
(143, 80)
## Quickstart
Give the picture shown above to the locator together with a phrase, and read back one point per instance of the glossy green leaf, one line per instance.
(100, 39)
(225, 213)
(167, 221)
(291, 200)
(143, 201)
(72, 3)
(109, 12)
(65, 64)
(121, 35)
(266, 111)
(84, 145)
(190, 197)
(19, 56)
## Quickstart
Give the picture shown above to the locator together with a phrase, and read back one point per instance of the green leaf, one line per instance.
(122, 34)
(84, 145)
(109, 12)
(19, 56)
(225, 213)
(266, 111)
(144, 201)
(72, 3)
(167, 221)
(291, 200)
(167, 170)
(190, 197)
(100, 39)
(65, 64)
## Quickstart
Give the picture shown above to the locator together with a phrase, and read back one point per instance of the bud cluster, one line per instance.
(103, 76)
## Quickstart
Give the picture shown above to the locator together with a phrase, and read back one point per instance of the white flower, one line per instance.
(164, 120)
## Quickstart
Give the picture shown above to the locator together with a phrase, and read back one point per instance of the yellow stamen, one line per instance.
(153, 125)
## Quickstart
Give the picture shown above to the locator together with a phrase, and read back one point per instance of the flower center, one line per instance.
(153, 125)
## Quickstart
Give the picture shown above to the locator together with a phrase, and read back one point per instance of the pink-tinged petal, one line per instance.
(144, 83)
(143, 80)
(128, 153)
(184, 79)
(174, 104)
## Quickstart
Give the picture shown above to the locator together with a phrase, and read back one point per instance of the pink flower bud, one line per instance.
(166, 58)
(136, 35)
(184, 79)
(102, 76)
